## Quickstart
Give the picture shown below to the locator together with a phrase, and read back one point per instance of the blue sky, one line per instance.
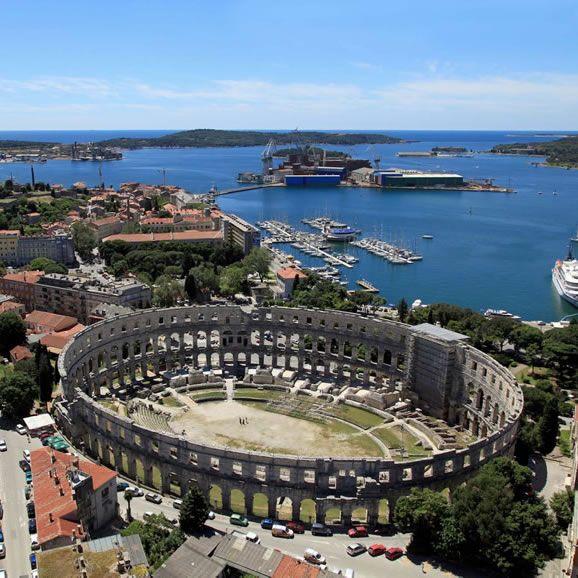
(443, 64)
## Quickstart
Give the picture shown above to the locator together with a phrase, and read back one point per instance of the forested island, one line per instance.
(559, 153)
(206, 138)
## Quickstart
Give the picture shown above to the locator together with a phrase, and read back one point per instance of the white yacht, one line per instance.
(565, 279)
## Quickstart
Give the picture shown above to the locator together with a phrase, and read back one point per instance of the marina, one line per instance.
(392, 253)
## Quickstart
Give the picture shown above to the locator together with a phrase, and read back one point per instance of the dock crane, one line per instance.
(267, 157)
(376, 156)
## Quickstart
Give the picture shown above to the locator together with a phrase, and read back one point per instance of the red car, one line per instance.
(393, 553)
(376, 550)
(357, 532)
(296, 527)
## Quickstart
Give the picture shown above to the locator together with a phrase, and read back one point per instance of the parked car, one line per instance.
(31, 510)
(3, 446)
(238, 520)
(249, 536)
(34, 545)
(318, 529)
(147, 515)
(296, 527)
(155, 498)
(26, 454)
(1, 511)
(27, 492)
(2, 551)
(267, 523)
(121, 486)
(32, 526)
(281, 531)
(356, 549)
(45, 434)
(376, 550)
(393, 553)
(177, 504)
(29, 477)
(358, 532)
(33, 561)
(1, 535)
(21, 429)
(24, 465)
(211, 515)
(136, 492)
(314, 556)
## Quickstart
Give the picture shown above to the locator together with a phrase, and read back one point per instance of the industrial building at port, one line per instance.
(306, 167)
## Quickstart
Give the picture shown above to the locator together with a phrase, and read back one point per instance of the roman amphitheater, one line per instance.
(290, 413)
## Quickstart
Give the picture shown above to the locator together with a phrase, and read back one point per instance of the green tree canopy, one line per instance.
(547, 433)
(168, 292)
(194, 511)
(12, 330)
(47, 265)
(562, 504)
(17, 394)
(85, 240)
(258, 261)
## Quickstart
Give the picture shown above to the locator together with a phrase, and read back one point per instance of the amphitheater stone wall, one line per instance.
(443, 374)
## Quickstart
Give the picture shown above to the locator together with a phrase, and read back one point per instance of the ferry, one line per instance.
(427, 236)
(565, 279)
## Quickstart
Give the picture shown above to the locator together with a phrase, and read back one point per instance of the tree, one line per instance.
(85, 240)
(562, 504)
(258, 261)
(232, 280)
(167, 292)
(194, 511)
(547, 433)
(47, 265)
(190, 287)
(402, 310)
(128, 496)
(422, 513)
(45, 378)
(12, 330)
(17, 394)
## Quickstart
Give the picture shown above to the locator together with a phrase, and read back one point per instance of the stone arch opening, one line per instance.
(156, 477)
(307, 511)
(333, 515)
(359, 515)
(216, 497)
(387, 357)
(383, 511)
(260, 506)
(238, 501)
(284, 508)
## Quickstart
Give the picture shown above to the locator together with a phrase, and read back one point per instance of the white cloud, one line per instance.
(58, 84)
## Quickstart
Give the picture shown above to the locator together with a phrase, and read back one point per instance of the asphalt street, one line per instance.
(333, 548)
(12, 484)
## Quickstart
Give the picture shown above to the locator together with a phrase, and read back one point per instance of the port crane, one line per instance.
(376, 156)
(267, 157)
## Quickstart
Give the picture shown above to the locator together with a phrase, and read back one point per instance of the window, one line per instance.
(105, 492)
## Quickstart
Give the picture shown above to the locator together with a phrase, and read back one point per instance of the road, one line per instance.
(333, 548)
(12, 484)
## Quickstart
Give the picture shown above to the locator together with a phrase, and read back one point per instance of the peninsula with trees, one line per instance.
(206, 138)
(561, 153)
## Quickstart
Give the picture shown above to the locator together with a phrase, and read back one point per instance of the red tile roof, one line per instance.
(53, 494)
(19, 353)
(24, 276)
(292, 568)
(176, 236)
(52, 320)
(10, 306)
(290, 273)
(105, 221)
(61, 338)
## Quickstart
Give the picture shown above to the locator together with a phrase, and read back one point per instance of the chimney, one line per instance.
(51, 517)
(61, 491)
(52, 457)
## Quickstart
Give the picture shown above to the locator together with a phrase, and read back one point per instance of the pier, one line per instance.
(393, 253)
(367, 286)
(287, 235)
(216, 193)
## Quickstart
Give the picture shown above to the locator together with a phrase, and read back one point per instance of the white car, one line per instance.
(3, 446)
(2, 551)
(147, 515)
(211, 515)
(21, 429)
(26, 454)
(136, 492)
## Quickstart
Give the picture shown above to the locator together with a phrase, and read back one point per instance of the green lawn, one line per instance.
(170, 401)
(208, 394)
(392, 438)
(564, 442)
(360, 417)
(259, 393)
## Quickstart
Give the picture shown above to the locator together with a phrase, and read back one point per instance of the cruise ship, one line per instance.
(565, 279)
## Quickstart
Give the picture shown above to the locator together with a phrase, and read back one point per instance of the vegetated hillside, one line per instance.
(561, 152)
(25, 144)
(204, 138)
(311, 150)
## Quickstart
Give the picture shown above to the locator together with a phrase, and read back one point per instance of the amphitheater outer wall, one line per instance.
(442, 373)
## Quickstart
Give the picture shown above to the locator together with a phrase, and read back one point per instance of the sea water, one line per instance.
(489, 250)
